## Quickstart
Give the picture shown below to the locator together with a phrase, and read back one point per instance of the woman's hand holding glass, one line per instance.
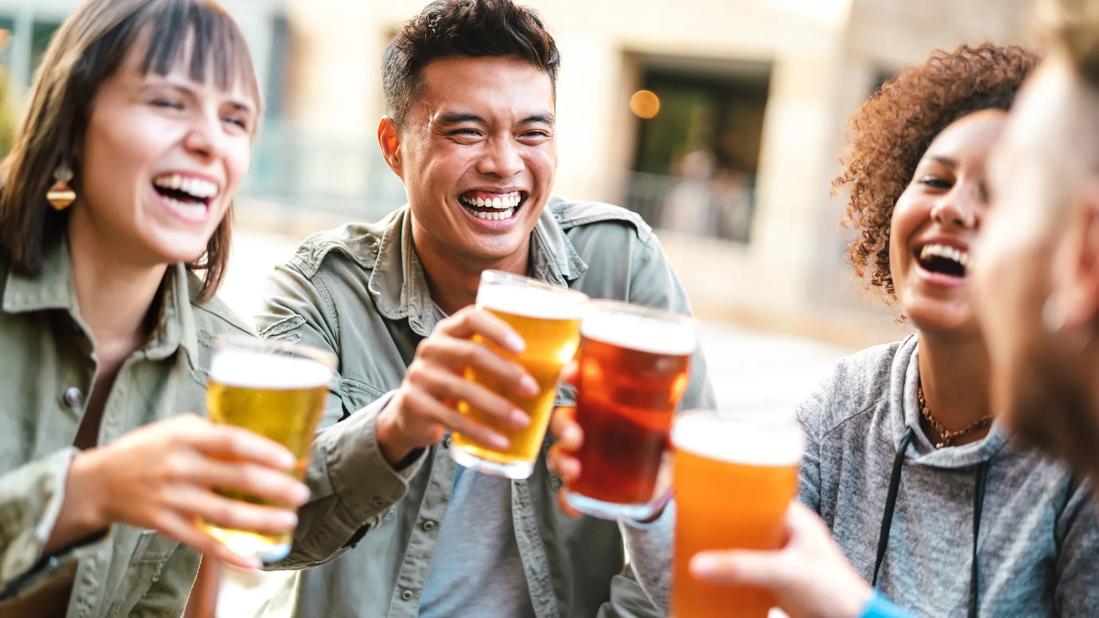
(162, 476)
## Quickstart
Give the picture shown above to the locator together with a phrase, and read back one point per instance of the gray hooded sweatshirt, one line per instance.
(1037, 547)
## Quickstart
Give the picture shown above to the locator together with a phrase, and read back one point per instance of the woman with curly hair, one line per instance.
(905, 462)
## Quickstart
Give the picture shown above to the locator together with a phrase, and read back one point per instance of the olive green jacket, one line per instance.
(359, 291)
(47, 366)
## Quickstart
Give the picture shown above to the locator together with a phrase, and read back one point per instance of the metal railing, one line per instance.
(717, 207)
(305, 170)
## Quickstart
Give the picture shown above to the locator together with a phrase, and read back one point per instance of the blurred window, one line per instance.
(7, 30)
(278, 70)
(696, 158)
(41, 33)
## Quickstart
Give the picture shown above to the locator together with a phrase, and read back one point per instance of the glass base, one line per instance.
(512, 469)
(250, 544)
(611, 510)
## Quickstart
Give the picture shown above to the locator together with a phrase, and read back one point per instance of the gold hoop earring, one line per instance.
(61, 195)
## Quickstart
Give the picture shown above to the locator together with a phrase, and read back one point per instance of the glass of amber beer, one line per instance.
(547, 317)
(278, 391)
(634, 368)
(735, 476)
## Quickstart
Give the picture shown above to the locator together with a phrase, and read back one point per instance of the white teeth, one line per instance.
(944, 251)
(499, 202)
(195, 187)
(498, 215)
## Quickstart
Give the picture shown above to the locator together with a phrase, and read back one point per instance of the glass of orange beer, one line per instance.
(547, 317)
(634, 367)
(735, 475)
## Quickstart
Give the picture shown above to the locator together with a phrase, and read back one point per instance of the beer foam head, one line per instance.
(637, 331)
(255, 369)
(739, 439)
(532, 301)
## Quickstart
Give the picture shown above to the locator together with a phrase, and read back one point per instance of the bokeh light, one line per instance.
(645, 104)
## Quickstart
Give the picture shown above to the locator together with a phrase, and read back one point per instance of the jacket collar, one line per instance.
(399, 288)
(53, 289)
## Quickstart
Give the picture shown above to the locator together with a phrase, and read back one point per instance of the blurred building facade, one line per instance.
(721, 121)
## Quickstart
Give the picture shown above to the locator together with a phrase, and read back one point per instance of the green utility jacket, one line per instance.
(47, 369)
(359, 291)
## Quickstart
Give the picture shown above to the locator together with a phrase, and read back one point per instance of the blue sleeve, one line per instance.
(880, 607)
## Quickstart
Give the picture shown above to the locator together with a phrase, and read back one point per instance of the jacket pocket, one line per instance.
(357, 395)
(284, 329)
(151, 552)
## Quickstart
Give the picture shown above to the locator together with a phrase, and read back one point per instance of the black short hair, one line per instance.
(457, 28)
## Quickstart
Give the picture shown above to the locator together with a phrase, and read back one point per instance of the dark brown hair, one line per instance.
(891, 131)
(88, 48)
(456, 28)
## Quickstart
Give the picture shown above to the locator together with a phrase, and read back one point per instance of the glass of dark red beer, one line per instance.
(634, 367)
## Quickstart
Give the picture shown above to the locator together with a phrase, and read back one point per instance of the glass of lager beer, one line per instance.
(735, 476)
(547, 317)
(634, 367)
(274, 389)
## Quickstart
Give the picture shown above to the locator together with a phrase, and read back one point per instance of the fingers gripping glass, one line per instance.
(735, 476)
(547, 317)
(274, 389)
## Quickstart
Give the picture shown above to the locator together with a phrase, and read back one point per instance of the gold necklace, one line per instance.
(947, 437)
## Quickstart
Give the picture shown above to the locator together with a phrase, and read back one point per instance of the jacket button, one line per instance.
(73, 397)
(407, 595)
(428, 525)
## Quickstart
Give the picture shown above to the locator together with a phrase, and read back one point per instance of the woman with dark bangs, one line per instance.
(138, 134)
(905, 462)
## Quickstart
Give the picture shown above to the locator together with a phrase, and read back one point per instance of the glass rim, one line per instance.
(677, 332)
(503, 277)
(753, 430)
(275, 346)
(609, 305)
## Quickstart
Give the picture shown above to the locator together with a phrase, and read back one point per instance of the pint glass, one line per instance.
(634, 368)
(735, 476)
(547, 317)
(278, 391)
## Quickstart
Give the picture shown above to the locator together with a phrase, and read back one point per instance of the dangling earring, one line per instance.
(61, 195)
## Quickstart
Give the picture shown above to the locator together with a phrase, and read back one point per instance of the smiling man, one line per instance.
(470, 130)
